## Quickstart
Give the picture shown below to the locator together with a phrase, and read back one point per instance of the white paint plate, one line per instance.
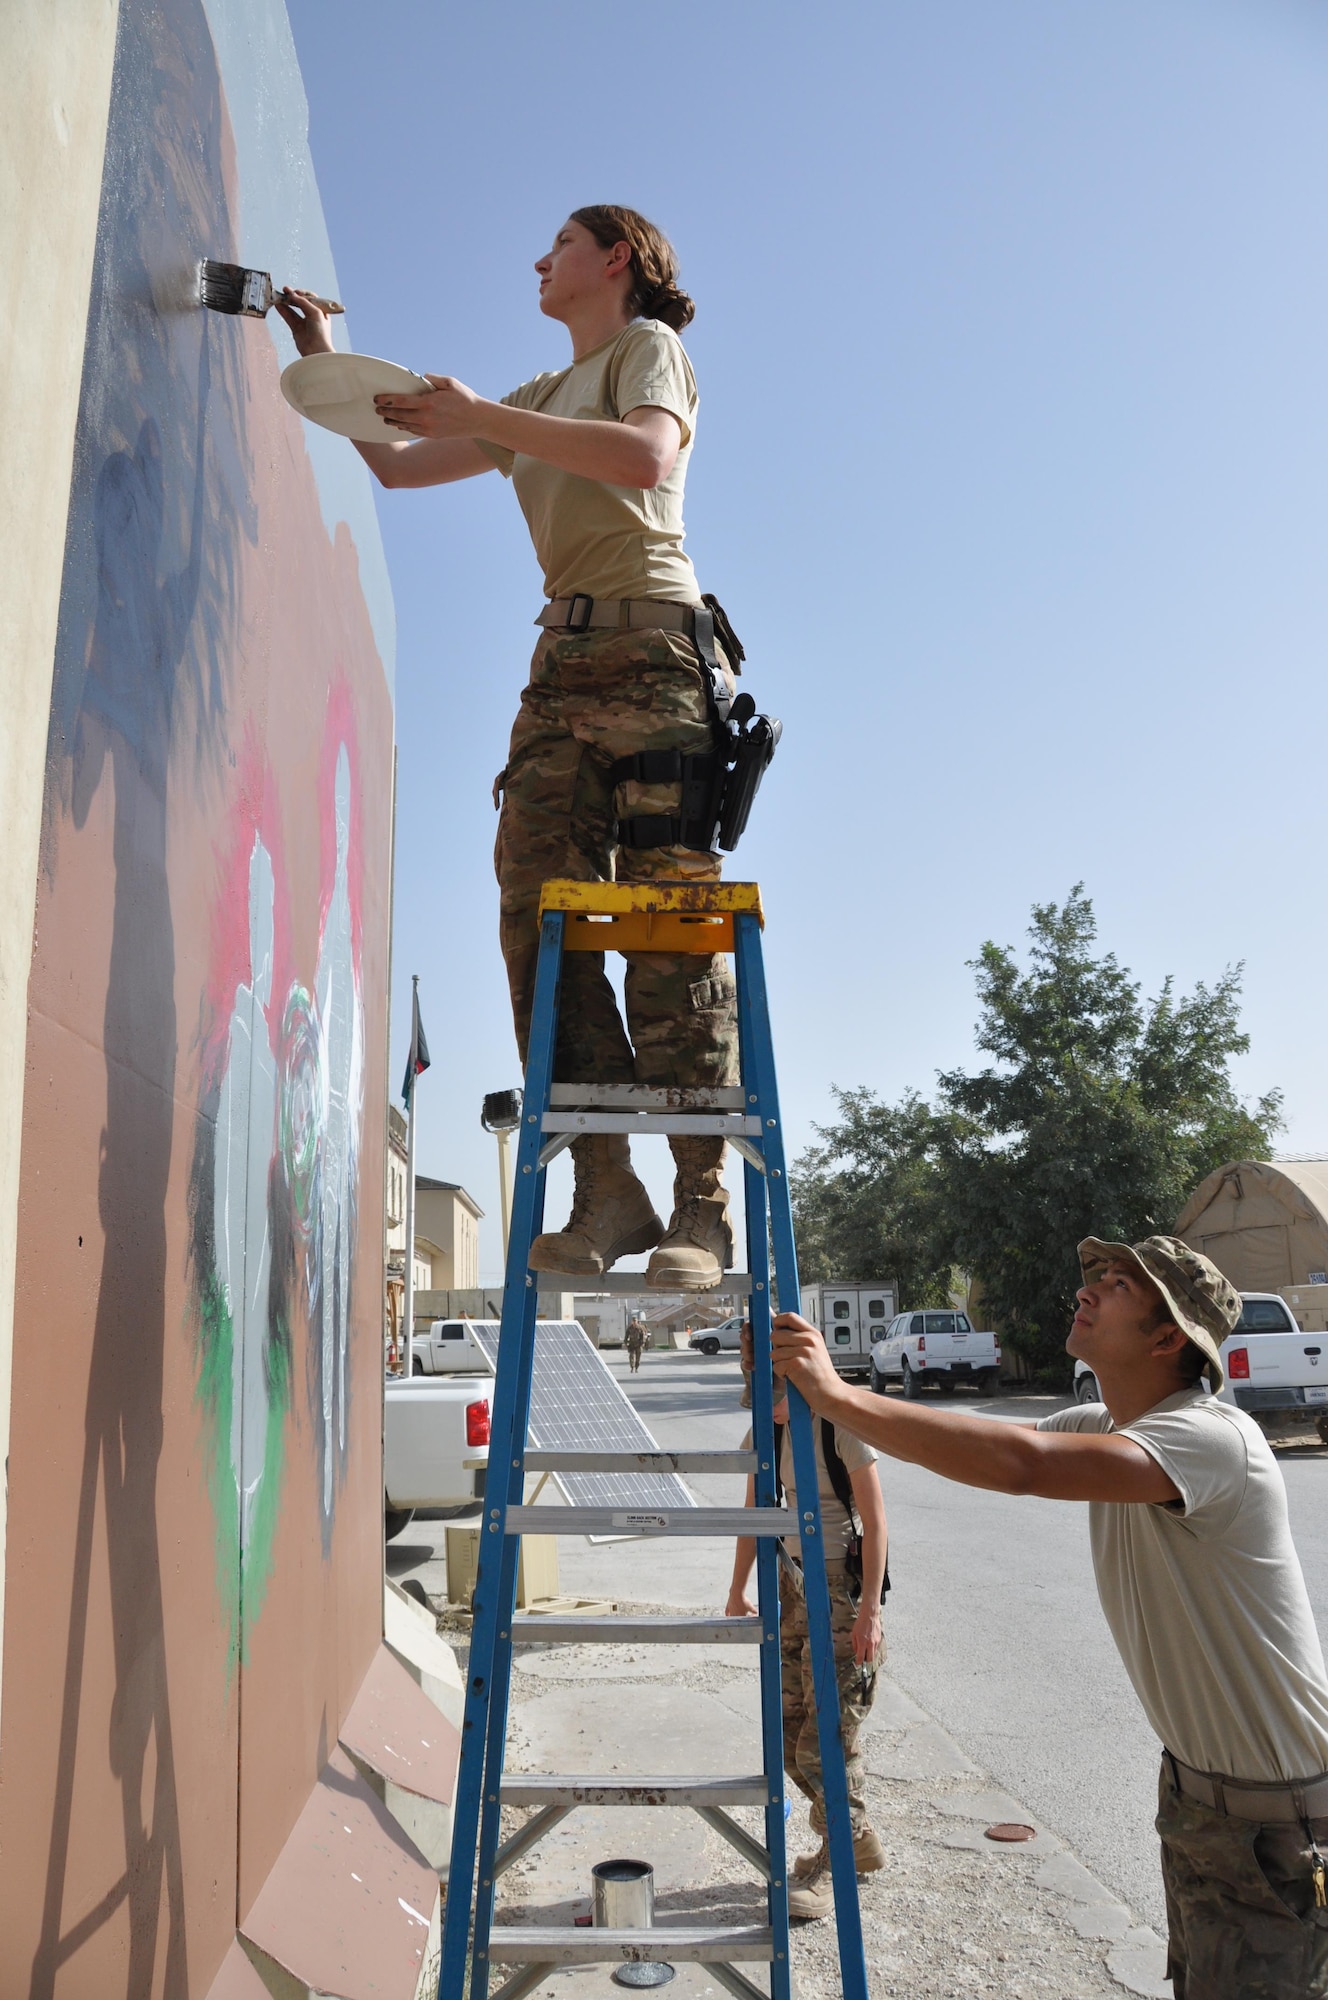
(337, 391)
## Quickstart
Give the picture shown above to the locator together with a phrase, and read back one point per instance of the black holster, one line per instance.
(718, 785)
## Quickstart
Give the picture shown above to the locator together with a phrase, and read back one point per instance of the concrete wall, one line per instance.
(194, 915)
(55, 82)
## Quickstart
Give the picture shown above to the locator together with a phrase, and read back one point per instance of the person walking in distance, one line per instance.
(1201, 1587)
(856, 1570)
(634, 1340)
(620, 682)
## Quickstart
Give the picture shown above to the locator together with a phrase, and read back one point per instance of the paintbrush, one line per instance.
(230, 288)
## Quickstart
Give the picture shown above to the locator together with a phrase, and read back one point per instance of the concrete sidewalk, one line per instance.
(951, 1914)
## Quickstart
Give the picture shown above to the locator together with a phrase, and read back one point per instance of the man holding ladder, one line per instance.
(1200, 1584)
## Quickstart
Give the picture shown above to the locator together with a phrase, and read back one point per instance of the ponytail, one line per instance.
(655, 292)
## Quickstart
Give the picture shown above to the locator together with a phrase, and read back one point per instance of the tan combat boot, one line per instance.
(697, 1246)
(612, 1214)
(868, 1855)
(812, 1895)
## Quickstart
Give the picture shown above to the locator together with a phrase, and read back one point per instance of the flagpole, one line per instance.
(408, 1309)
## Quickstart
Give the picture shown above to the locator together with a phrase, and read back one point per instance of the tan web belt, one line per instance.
(622, 614)
(1306, 1799)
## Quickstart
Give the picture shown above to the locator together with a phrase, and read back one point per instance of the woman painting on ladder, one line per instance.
(598, 453)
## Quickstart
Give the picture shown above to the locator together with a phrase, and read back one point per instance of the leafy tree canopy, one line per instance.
(865, 1199)
(1098, 1116)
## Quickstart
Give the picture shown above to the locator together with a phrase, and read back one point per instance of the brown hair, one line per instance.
(1191, 1361)
(655, 293)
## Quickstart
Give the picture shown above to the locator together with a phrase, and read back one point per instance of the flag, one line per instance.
(418, 1059)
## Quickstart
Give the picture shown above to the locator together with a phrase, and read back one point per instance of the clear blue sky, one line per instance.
(1012, 471)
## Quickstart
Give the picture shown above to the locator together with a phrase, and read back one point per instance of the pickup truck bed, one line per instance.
(1273, 1370)
(432, 1426)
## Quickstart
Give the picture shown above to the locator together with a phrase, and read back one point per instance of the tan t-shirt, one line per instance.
(835, 1524)
(609, 541)
(1205, 1596)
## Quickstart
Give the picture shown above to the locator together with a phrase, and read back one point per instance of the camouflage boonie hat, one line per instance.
(1201, 1302)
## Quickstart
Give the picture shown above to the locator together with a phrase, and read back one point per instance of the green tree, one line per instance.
(865, 1199)
(1100, 1115)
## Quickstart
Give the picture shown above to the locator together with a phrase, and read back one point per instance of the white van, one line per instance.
(851, 1318)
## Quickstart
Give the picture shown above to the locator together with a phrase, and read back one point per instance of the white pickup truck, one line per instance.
(447, 1347)
(1273, 1370)
(434, 1431)
(937, 1349)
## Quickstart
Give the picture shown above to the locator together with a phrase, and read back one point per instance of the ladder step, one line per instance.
(640, 1461)
(648, 1097)
(543, 1944)
(705, 1124)
(534, 1630)
(541, 1788)
(632, 1285)
(650, 1521)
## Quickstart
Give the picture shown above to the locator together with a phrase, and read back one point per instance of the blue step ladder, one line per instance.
(673, 918)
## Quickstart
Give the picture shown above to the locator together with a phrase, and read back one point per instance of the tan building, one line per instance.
(447, 1235)
(1264, 1223)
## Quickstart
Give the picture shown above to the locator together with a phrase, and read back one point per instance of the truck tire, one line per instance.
(396, 1518)
(989, 1382)
(416, 1366)
(911, 1388)
(709, 1346)
(877, 1381)
(1321, 1426)
(1086, 1390)
(946, 1384)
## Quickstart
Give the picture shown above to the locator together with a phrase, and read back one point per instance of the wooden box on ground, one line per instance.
(537, 1570)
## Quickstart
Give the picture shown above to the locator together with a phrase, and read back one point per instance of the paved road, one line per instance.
(993, 1625)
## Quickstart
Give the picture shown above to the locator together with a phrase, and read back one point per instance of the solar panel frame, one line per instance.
(577, 1404)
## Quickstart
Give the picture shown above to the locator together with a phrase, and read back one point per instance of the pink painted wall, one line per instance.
(193, 1587)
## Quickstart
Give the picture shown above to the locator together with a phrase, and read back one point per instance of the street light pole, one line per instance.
(501, 1116)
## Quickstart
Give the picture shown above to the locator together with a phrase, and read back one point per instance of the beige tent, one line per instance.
(1264, 1223)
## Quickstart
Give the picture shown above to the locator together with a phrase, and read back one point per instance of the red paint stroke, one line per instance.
(255, 810)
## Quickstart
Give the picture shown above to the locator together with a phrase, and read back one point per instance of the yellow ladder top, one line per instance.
(650, 916)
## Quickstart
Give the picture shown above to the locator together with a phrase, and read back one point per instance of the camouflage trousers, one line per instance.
(1240, 1904)
(857, 1692)
(592, 698)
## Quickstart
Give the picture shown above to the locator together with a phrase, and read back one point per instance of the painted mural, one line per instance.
(195, 1479)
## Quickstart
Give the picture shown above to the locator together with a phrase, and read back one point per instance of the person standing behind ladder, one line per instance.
(1200, 1584)
(634, 1341)
(598, 453)
(856, 1570)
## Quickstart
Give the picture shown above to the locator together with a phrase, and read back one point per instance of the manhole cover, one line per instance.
(1008, 1829)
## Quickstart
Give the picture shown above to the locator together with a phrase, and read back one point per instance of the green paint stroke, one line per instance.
(215, 1341)
(257, 1566)
(242, 1580)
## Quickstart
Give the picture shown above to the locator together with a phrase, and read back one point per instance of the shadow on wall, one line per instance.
(159, 511)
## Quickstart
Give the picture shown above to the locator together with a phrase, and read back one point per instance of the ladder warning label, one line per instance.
(640, 1520)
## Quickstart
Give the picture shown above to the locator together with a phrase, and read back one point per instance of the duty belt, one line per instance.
(718, 785)
(1238, 1798)
(623, 614)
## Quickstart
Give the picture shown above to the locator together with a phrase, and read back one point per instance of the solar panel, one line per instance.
(576, 1404)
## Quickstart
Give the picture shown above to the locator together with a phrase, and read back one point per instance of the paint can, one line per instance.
(623, 1899)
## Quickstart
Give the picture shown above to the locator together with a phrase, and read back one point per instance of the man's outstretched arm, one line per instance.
(976, 1451)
